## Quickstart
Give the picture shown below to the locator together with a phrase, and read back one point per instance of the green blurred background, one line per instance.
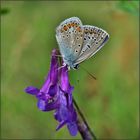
(110, 104)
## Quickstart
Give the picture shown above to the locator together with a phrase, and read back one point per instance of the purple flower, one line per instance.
(49, 91)
(56, 94)
(66, 114)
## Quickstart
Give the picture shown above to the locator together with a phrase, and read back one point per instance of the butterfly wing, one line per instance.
(69, 35)
(94, 40)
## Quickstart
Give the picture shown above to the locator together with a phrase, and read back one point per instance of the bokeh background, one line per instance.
(110, 103)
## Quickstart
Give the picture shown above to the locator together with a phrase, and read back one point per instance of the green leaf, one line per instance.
(4, 11)
(129, 6)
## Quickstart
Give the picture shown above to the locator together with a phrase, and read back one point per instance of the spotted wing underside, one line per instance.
(94, 39)
(69, 35)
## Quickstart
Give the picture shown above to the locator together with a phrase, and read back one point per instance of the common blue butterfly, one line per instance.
(79, 42)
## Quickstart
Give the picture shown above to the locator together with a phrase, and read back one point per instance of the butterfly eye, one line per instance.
(76, 66)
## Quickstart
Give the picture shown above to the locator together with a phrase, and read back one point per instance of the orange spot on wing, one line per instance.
(72, 24)
(78, 29)
(69, 25)
(65, 28)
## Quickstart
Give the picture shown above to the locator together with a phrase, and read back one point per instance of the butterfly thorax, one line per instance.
(71, 64)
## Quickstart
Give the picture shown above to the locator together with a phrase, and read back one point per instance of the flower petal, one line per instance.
(61, 124)
(32, 90)
(52, 78)
(53, 90)
(57, 116)
(65, 85)
(41, 105)
(72, 127)
(63, 112)
(48, 105)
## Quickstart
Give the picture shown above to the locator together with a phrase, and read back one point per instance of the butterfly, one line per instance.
(78, 42)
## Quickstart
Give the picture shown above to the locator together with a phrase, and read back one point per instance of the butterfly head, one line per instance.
(76, 67)
(73, 67)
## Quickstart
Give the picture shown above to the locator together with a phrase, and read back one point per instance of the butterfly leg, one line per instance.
(62, 66)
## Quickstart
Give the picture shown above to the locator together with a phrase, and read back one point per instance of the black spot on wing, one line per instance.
(88, 46)
(106, 38)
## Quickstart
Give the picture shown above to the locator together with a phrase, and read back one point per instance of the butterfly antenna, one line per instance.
(90, 73)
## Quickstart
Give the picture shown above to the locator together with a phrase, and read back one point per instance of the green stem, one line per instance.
(83, 126)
